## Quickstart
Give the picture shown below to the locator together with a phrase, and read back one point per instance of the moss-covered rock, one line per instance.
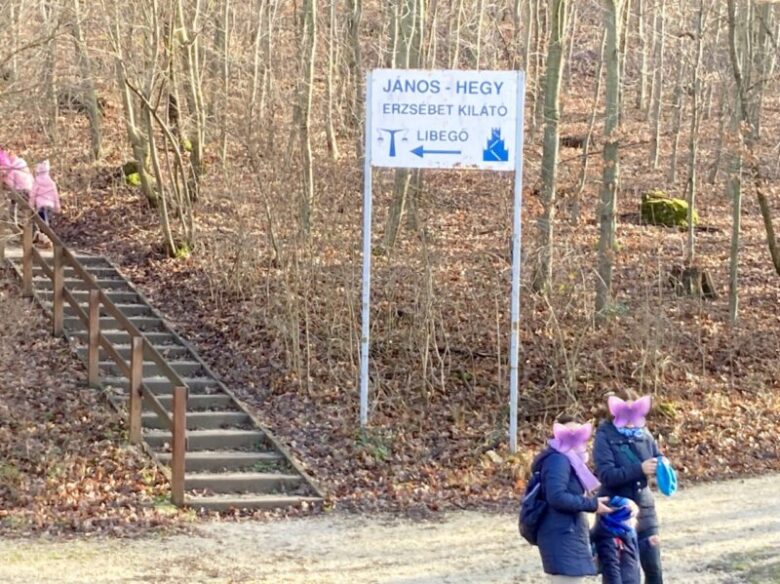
(133, 179)
(658, 208)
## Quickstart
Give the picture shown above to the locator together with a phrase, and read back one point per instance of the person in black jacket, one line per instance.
(567, 485)
(626, 455)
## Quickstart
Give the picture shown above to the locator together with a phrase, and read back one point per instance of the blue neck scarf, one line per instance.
(631, 432)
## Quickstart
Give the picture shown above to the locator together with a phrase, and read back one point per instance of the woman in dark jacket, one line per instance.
(567, 484)
(625, 456)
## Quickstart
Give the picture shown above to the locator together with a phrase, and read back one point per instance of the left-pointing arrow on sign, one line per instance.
(421, 151)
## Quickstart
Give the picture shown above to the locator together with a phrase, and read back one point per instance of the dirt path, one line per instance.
(712, 524)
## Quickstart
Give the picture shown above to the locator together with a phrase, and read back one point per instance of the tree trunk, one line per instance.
(589, 135)
(411, 15)
(693, 143)
(305, 96)
(543, 275)
(608, 203)
(50, 87)
(641, 96)
(678, 107)
(85, 69)
(188, 39)
(135, 136)
(658, 81)
(735, 178)
(330, 131)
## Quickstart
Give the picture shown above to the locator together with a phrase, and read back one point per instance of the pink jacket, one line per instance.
(44, 193)
(5, 163)
(17, 174)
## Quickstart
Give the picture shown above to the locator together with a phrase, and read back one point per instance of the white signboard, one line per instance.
(444, 119)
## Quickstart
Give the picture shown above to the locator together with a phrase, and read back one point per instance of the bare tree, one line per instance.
(88, 84)
(693, 142)
(555, 58)
(308, 45)
(609, 187)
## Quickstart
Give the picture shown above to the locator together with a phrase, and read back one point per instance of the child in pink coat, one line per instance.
(44, 196)
(15, 174)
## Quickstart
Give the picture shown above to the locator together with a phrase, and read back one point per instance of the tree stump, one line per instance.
(693, 281)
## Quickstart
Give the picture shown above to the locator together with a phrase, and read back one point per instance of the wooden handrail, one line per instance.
(27, 260)
(37, 257)
(58, 289)
(93, 340)
(135, 390)
(178, 444)
(140, 347)
(70, 259)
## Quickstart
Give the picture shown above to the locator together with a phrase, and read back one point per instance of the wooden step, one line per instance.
(227, 460)
(91, 260)
(129, 310)
(253, 440)
(119, 337)
(196, 402)
(162, 385)
(44, 283)
(106, 272)
(109, 323)
(241, 482)
(202, 420)
(172, 353)
(201, 402)
(82, 296)
(230, 463)
(228, 502)
(183, 368)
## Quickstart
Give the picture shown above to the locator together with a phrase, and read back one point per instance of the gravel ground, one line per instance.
(710, 534)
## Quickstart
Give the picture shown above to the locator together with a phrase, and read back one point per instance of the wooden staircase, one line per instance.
(229, 459)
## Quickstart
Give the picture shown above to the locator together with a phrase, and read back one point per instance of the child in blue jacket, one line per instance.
(625, 456)
(616, 545)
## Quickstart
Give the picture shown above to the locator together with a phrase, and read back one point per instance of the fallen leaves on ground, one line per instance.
(65, 467)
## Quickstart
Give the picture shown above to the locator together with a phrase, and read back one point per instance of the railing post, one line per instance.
(93, 347)
(179, 444)
(58, 285)
(136, 395)
(6, 225)
(27, 259)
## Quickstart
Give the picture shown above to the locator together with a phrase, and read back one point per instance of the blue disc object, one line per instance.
(666, 477)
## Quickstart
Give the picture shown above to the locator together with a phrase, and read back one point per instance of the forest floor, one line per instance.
(438, 434)
(64, 464)
(724, 533)
(283, 335)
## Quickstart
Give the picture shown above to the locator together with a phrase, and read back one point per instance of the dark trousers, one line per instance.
(650, 557)
(618, 559)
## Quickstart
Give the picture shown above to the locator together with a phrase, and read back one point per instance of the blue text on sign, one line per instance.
(443, 135)
(479, 87)
(423, 86)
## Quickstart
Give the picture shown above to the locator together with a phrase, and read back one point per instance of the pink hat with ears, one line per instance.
(5, 162)
(18, 176)
(629, 413)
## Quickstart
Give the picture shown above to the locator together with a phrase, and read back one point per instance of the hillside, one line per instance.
(277, 313)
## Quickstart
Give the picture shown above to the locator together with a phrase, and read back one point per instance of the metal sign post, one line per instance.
(517, 232)
(446, 120)
(366, 298)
